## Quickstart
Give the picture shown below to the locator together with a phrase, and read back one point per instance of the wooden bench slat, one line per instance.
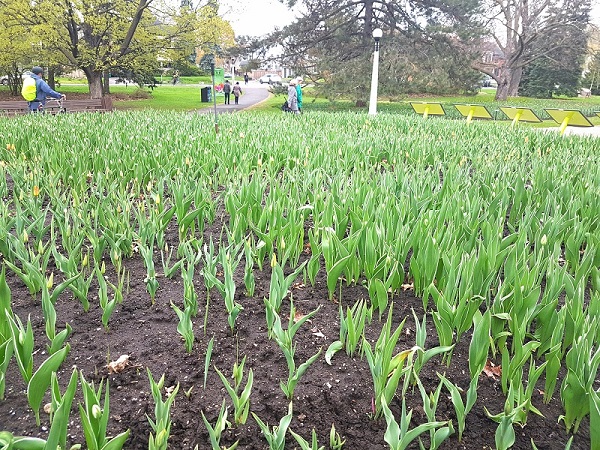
(104, 104)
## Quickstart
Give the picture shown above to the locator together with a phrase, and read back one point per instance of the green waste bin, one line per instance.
(205, 94)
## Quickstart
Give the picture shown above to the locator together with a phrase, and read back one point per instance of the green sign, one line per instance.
(219, 79)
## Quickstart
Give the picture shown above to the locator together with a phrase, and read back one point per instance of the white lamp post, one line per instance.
(377, 33)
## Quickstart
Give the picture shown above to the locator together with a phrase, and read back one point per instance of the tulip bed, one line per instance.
(323, 281)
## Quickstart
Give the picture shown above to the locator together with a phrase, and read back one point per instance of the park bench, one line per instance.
(103, 104)
(14, 108)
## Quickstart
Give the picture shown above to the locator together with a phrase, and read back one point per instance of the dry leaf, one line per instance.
(119, 365)
(317, 333)
(298, 285)
(169, 390)
(298, 316)
(492, 370)
(408, 286)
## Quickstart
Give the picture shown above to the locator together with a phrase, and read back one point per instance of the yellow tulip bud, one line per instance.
(50, 281)
(274, 260)
(160, 438)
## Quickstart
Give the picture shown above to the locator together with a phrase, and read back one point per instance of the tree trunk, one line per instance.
(508, 82)
(51, 78)
(94, 79)
(106, 82)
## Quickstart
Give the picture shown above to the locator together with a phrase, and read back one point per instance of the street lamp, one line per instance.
(377, 33)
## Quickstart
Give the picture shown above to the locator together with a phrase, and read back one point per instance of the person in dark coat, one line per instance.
(227, 91)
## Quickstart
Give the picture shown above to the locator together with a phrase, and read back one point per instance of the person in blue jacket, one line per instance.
(43, 91)
(299, 92)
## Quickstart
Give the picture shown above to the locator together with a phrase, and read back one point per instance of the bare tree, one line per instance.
(515, 26)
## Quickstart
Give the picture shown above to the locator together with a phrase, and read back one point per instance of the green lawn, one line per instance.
(186, 97)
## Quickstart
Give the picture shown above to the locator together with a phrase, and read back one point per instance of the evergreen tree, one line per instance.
(426, 46)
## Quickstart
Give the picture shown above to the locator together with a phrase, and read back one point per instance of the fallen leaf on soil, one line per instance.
(298, 316)
(169, 390)
(317, 333)
(307, 249)
(119, 365)
(492, 370)
(298, 285)
(408, 286)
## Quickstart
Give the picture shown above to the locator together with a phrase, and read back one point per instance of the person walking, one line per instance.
(246, 78)
(299, 93)
(42, 91)
(237, 91)
(227, 92)
(293, 97)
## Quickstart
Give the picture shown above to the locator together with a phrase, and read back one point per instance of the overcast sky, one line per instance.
(255, 17)
(260, 17)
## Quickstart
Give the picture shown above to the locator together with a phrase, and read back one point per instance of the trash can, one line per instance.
(205, 94)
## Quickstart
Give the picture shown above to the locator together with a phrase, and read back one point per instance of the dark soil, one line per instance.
(340, 394)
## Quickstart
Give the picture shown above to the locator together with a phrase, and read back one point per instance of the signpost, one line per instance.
(567, 117)
(473, 112)
(518, 114)
(214, 95)
(428, 109)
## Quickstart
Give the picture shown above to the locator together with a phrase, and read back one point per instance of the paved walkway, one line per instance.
(252, 94)
(577, 131)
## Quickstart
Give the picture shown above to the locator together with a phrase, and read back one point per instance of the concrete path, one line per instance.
(253, 93)
(577, 131)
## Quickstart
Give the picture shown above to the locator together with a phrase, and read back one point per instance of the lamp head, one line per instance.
(377, 33)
